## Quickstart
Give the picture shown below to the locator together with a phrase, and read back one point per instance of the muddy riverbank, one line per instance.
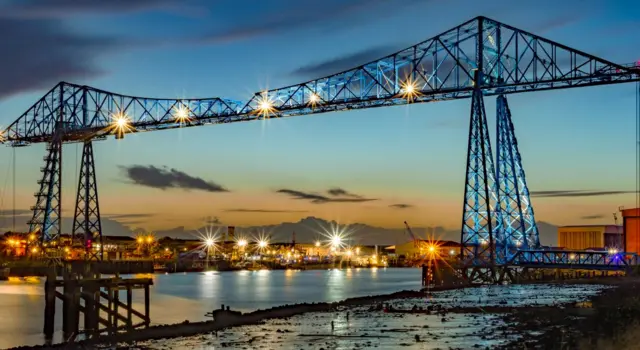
(227, 319)
(580, 315)
(609, 320)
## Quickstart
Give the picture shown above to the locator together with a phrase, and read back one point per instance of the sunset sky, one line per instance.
(409, 161)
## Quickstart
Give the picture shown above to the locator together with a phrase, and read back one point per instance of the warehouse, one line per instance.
(591, 237)
(631, 224)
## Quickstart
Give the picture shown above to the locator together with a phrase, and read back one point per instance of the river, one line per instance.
(188, 296)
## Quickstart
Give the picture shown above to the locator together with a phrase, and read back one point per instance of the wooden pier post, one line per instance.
(129, 308)
(146, 306)
(49, 304)
(70, 305)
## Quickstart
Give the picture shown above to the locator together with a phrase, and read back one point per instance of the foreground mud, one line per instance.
(582, 315)
(456, 319)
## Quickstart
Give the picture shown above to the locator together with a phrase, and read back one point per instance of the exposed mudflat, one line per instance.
(459, 319)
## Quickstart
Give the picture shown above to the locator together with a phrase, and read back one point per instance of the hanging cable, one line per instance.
(13, 180)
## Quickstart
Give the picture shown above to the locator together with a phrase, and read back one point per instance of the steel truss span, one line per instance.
(508, 60)
(479, 58)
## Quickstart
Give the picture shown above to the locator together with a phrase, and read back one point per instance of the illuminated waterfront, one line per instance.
(188, 296)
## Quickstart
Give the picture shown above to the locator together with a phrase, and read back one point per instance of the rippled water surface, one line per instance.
(188, 296)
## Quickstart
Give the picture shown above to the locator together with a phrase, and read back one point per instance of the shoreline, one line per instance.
(228, 319)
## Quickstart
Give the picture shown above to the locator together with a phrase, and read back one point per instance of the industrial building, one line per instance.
(631, 225)
(591, 237)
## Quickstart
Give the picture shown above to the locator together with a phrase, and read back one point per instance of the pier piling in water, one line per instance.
(98, 299)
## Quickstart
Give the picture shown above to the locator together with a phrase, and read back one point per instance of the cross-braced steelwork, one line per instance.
(516, 212)
(479, 224)
(47, 211)
(610, 260)
(510, 60)
(480, 57)
(86, 221)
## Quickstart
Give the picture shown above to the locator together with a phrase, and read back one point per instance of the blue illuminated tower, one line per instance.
(516, 212)
(480, 226)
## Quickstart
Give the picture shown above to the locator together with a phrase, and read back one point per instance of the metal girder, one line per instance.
(480, 228)
(47, 216)
(508, 59)
(86, 221)
(516, 212)
(578, 259)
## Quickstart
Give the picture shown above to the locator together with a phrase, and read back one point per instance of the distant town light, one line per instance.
(209, 242)
(317, 243)
(262, 244)
(336, 240)
(242, 243)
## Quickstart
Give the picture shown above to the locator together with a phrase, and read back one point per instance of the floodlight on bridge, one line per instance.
(181, 114)
(409, 90)
(120, 124)
(314, 99)
(265, 106)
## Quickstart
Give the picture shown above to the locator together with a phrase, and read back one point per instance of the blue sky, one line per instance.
(579, 139)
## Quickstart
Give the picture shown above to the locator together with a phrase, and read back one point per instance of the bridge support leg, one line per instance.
(479, 223)
(86, 221)
(47, 212)
(518, 222)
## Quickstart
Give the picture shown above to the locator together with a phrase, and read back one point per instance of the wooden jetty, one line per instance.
(98, 300)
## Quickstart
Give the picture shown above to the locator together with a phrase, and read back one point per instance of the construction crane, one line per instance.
(416, 241)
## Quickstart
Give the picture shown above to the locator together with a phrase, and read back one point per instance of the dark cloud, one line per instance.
(328, 14)
(213, 220)
(164, 177)
(401, 206)
(339, 192)
(263, 211)
(66, 8)
(575, 193)
(319, 199)
(592, 217)
(37, 54)
(342, 63)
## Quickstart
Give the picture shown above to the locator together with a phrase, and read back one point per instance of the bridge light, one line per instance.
(572, 257)
(181, 114)
(265, 106)
(313, 98)
(120, 124)
(409, 90)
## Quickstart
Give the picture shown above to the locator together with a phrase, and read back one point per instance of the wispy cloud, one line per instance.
(401, 206)
(164, 178)
(9, 212)
(242, 210)
(37, 9)
(128, 216)
(342, 63)
(575, 193)
(592, 217)
(296, 15)
(345, 197)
